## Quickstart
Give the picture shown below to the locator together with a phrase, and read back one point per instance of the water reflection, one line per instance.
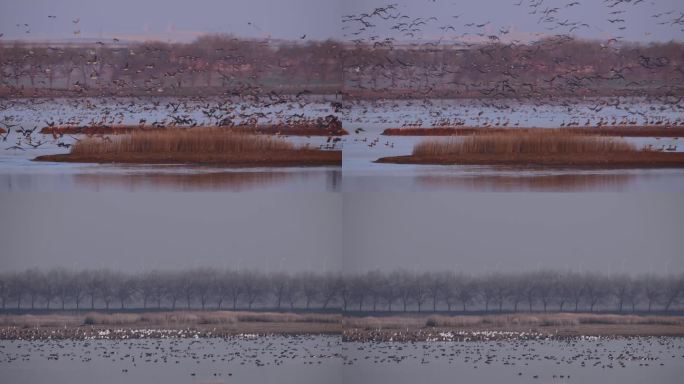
(542, 183)
(327, 180)
(494, 179)
(231, 181)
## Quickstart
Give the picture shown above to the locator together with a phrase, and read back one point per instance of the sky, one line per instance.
(351, 232)
(147, 231)
(174, 20)
(514, 232)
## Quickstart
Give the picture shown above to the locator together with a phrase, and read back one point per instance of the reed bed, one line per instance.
(211, 317)
(195, 146)
(539, 147)
(505, 321)
(208, 141)
(551, 142)
(33, 321)
(165, 319)
(215, 317)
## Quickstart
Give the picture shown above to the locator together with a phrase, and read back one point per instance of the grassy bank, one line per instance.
(164, 324)
(617, 131)
(559, 325)
(196, 146)
(414, 327)
(538, 147)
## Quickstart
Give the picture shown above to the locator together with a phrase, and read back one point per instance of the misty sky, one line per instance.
(476, 233)
(140, 231)
(177, 20)
(482, 233)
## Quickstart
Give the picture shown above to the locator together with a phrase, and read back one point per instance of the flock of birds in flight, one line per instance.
(384, 27)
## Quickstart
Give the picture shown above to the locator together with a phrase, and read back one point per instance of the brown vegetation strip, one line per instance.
(165, 324)
(2, 130)
(184, 324)
(493, 327)
(206, 146)
(622, 130)
(485, 333)
(166, 318)
(297, 129)
(538, 147)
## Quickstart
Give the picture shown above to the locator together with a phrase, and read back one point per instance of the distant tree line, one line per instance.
(368, 292)
(209, 65)
(557, 66)
(225, 65)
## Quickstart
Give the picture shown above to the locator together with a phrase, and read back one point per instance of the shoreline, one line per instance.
(401, 328)
(510, 333)
(296, 158)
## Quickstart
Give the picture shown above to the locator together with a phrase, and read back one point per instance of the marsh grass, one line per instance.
(504, 321)
(164, 319)
(195, 146)
(542, 143)
(209, 317)
(182, 141)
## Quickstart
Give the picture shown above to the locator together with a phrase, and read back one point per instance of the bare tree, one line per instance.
(310, 288)
(254, 286)
(673, 289)
(652, 290)
(124, 288)
(280, 283)
(595, 290)
(467, 290)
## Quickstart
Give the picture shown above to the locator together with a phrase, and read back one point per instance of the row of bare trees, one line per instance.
(552, 66)
(225, 64)
(373, 291)
(222, 63)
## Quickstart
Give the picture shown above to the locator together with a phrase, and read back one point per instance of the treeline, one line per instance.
(210, 65)
(368, 292)
(553, 66)
(227, 65)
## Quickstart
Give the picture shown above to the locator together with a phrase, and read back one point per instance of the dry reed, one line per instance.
(542, 143)
(172, 318)
(182, 141)
(195, 146)
(505, 321)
